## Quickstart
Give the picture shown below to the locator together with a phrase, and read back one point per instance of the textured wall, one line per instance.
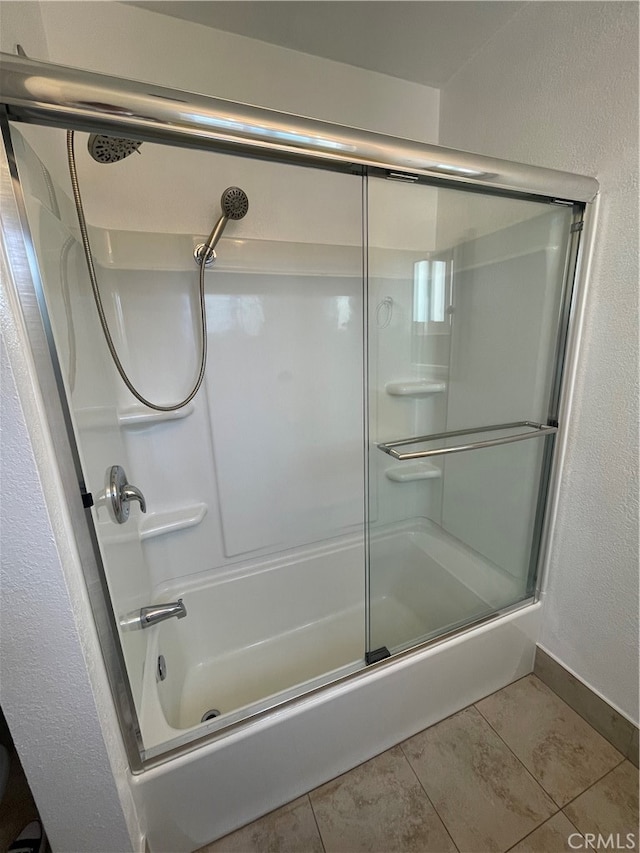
(558, 87)
(56, 703)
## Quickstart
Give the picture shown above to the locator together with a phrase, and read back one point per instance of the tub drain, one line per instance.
(211, 714)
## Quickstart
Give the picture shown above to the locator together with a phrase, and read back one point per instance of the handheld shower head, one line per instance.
(235, 204)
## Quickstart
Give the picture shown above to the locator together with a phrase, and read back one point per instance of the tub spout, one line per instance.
(159, 612)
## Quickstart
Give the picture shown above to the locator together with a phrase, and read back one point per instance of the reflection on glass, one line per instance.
(429, 291)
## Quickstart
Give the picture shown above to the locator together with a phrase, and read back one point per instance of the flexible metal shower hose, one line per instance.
(73, 173)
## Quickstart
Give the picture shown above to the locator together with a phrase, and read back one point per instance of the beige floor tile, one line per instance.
(610, 806)
(486, 798)
(564, 753)
(551, 837)
(379, 807)
(291, 829)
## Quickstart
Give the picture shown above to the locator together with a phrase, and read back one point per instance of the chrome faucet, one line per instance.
(159, 612)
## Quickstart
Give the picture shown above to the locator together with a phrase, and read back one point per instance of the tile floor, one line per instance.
(517, 771)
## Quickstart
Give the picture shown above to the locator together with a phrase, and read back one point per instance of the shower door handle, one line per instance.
(119, 493)
(534, 429)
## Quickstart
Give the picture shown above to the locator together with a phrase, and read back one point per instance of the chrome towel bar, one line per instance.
(535, 430)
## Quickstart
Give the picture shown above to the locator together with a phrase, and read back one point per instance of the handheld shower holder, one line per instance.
(199, 251)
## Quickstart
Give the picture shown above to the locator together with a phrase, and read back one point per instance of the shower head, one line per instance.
(111, 149)
(235, 204)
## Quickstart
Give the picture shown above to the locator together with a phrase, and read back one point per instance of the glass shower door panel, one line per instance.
(465, 295)
(254, 490)
(428, 577)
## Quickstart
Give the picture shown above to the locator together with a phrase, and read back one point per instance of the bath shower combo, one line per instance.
(355, 511)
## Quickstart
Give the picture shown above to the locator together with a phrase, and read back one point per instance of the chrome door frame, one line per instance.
(574, 305)
(45, 93)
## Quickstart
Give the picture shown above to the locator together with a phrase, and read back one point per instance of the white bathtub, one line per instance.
(265, 630)
(253, 635)
(271, 630)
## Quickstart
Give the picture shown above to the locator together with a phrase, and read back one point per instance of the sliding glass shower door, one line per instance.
(244, 575)
(466, 295)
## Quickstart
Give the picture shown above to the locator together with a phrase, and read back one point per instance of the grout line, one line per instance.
(555, 814)
(535, 829)
(570, 821)
(597, 781)
(562, 810)
(446, 828)
(313, 812)
(520, 761)
(559, 808)
(559, 805)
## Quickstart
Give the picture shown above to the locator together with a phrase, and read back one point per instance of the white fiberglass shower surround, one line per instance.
(340, 538)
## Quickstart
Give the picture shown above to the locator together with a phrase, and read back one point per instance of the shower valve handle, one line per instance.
(119, 493)
(132, 493)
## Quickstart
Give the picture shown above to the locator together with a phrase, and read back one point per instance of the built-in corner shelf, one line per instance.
(414, 387)
(408, 472)
(141, 415)
(161, 523)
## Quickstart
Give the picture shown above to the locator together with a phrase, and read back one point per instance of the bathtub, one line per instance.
(254, 636)
(231, 660)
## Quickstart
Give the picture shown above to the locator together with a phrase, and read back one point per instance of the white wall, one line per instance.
(21, 24)
(131, 42)
(558, 87)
